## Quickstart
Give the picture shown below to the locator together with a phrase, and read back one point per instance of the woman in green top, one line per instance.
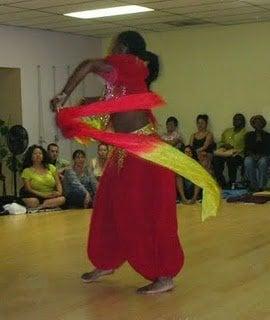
(41, 185)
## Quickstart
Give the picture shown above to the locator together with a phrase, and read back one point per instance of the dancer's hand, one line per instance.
(58, 101)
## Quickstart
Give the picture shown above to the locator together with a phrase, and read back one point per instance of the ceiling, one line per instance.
(168, 15)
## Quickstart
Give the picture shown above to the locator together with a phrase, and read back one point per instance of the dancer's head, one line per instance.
(132, 42)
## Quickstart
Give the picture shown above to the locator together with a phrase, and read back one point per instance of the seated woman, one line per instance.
(189, 193)
(79, 182)
(97, 165)
(41, 185)
(203, 143)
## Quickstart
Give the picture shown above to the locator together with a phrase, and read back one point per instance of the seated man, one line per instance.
(60, 164)
(172, 135)
(257, 150)
(230, 151)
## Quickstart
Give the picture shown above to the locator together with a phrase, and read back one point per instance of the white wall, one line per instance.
(215, 70)
(10, 96)
(27, 49)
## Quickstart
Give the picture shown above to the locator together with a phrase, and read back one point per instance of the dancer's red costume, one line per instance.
(134, 216)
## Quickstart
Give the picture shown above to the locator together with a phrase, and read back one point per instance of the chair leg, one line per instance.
(4, 187)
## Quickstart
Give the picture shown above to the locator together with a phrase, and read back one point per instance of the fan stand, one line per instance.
(17, 141)
(14, 169)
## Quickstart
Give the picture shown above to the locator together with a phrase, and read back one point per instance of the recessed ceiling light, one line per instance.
(107, 12)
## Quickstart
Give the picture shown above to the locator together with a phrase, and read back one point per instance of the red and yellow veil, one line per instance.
(83, 124)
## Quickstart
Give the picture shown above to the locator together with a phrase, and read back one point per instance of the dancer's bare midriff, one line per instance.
(129, 121)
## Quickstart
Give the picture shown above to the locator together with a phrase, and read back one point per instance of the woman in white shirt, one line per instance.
(98, 164)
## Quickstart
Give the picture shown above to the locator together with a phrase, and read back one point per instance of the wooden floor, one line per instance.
(226, 274)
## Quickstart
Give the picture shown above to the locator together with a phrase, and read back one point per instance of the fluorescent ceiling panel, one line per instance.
(108, 12)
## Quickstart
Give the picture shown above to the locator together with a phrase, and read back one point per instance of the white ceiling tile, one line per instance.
(86, 27)
(61, 21)
(48, 20)
(7, 1)
(262, 5)
(31, 23)
(138, 22)
(37, 4)
(26, 15)
(252, 17)
(5, 9)
(89, 5)
(226, 12)
(169, 14)
(257, 2)
(234, 22)
(187, 4)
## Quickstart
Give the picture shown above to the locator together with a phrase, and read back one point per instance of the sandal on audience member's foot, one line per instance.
(95, 275)
(34, 210)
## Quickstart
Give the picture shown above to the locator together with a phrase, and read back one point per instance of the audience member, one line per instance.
(172, 136)
(230, 151)
(53, 152)
(189, 193)
(257, 151)
(41, 185)
(203, 143)
(79, 182)
(97, 165)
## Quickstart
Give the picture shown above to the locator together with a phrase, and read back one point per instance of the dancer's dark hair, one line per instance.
(136, 45)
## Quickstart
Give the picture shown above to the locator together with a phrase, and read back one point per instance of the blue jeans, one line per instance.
(256, 169)
(75, 199)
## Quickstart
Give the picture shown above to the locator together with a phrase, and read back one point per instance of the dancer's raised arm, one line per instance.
(87, 66)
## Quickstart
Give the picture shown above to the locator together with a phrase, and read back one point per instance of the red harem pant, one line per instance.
(134, 219)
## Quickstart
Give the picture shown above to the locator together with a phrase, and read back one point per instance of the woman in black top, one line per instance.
(203, 143)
